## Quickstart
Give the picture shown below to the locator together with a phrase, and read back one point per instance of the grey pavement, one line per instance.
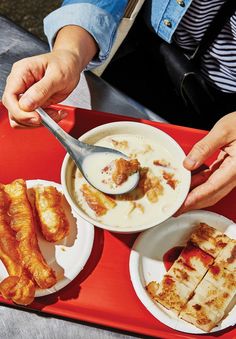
(29, 14)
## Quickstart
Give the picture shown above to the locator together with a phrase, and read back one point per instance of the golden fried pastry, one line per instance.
(51, 216)
(18, 286)
(22, 222)
(9, 253)
(21, 290)
(148, 184)
(97, 201)
(123, 169)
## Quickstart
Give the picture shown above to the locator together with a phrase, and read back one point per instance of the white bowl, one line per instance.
(155, 137)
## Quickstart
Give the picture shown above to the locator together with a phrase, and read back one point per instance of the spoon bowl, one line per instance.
(87, 157)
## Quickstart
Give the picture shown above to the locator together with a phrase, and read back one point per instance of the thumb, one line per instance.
(203, 149)
(37, 95)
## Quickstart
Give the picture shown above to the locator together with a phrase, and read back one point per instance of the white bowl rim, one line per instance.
(122, 229)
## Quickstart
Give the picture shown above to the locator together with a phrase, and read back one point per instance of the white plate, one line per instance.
(68, 256)
(146, 262)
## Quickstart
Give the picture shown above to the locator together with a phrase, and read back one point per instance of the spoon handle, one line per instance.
(48, 122)
(74, 147)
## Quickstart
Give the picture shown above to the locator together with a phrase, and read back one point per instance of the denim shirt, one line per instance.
(101, 19)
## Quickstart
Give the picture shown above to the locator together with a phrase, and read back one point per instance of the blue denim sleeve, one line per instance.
(100, 18)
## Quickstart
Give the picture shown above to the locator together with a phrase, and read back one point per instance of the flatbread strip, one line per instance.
(18, 286)
(209, 239)
(178, 284)
(227, 256)
(217, 288)
(207, 267)
(51, 216)
(170, 293)
(22, 222)
(211, 298)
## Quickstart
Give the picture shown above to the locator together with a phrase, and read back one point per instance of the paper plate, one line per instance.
(67, 257)
(146, 262)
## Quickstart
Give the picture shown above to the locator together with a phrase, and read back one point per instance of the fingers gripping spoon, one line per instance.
(86, 157)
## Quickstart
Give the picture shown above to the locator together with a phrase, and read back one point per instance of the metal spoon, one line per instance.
(83, 153)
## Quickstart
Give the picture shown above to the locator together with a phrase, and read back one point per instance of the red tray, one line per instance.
(102, 293)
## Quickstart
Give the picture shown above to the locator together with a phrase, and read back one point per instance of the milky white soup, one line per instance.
(137, 208)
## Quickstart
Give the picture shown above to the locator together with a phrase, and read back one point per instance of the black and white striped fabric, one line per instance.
(219, 62)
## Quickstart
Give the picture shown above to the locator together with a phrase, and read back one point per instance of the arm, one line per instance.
(49, 78)
(211, 185)
(98, 17)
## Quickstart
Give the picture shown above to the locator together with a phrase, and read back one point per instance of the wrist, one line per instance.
(77, 41)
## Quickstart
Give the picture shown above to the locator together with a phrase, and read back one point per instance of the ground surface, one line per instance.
(29, 14)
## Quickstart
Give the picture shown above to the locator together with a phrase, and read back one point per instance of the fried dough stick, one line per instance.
(22, 223)
(123, 169)
(18, 286)
(100, 203)
(52, 219)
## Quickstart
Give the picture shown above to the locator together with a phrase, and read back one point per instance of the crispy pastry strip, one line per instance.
(51, 216)
(97, 201)
(149, 184)
(18, 286)
(21, 290)
(123, 169)
(22, 223)
(9, 253)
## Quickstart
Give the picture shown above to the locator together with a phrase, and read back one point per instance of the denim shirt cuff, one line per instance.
(99, 23)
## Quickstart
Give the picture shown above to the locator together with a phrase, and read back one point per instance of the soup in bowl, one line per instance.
(162, 188)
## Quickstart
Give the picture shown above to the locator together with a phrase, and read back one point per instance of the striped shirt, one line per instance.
(219, 62)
